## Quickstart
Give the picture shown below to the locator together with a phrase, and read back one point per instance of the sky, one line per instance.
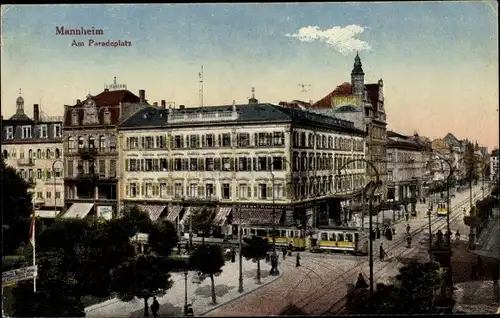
(438, 60)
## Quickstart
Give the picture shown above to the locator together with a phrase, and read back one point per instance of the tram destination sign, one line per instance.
(16, 275)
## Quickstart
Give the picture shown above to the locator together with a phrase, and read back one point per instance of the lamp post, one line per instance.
(55, 188)
(240, 256)
(185, 292)
(274, 256)
(374, 185)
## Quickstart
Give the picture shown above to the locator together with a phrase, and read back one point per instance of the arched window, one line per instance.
(5, 154)
(39, 154)
(92, 142)
(102, 143)
(81, 143)
(47, 153)
(58, 154)
(30, 154)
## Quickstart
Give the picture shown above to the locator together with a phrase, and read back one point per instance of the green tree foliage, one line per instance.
(470, 162)
(209, 260)
(202, 222)
(412, 292)
(255, 248)
(16, 208)
(143, 277)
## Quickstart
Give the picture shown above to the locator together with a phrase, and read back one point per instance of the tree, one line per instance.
(470, 162)
(17, 208)
(202, 222)
(209, 260)
(255, 248)
(411, 292)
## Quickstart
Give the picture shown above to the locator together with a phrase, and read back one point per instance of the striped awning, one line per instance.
(47, 214)
(187, 213)
(174, 213)
(221, 215)
(78, 210)
(154, 211)
(257, 216)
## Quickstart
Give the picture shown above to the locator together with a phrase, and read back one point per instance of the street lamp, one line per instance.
(240, 279)
(274, 255)
(374, 186)
(55, 188)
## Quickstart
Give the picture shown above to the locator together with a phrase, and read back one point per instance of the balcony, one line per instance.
(87, 152)
(26, 162)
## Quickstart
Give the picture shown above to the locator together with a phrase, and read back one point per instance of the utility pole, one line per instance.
(200, 75)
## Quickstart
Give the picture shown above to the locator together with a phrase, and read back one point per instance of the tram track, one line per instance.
(439, 222)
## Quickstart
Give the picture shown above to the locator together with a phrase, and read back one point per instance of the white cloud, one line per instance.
(341, 39)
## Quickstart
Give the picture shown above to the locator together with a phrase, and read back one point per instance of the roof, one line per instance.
(20, 117)
(267, 113)
(112, 98)
(450, 138)
(345, 89)
(395, 134)
(400, 144)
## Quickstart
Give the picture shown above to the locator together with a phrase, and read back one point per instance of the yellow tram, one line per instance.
(347, 240)
(284, 236)
(441, 208)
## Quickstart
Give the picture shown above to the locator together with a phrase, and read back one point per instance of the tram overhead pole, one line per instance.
(370, 187)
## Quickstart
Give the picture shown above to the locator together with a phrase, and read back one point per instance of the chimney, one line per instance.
(155, 104)
(78, 101)
(163, 103)
(36, 113)
(142, 95)
(182, 106)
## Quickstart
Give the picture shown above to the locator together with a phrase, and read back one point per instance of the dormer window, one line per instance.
(26, 132)
(107, 116)
(90, 112)
(43, 131)
(74, 118)
(57, 130)
(9, 132)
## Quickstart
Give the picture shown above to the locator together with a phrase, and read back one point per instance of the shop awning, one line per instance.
(174, 213)
(221, 215)
(154, 211)
(47, 214)
(187, 213)
(257, 216)
(78, 210)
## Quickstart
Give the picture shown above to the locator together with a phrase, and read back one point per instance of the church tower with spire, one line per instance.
(357, 77)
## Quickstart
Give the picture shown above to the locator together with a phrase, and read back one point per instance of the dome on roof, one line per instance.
(20, 100)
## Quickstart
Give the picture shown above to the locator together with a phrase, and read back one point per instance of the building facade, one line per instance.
(91, 151)
(494, 164)
(33, 146)
(261, 162)
(406, 167)
(362, 104)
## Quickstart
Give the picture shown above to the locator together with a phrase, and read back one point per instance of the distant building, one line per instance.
(269, 163)
(33, 146)
(91, 151)
(494, 164)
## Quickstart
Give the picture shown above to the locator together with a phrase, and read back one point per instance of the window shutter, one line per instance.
(171, 141)
(142, 189)
(249, 164)
(185, 164)
(215, 192)
(219, 140)
(170, 165)
(269, 162)
(270, 192)
(203, 141)
(127, 190)
(217, 164)
(237, 163)
(127, 166)
(187, 189)
(284, 164)
(255, 192)
(254, 160)
(249, 191)
(201, 164)
(256, 139)
(237, 191)
(200, 191)
(187, 141)
(170, 189)
(231, 164)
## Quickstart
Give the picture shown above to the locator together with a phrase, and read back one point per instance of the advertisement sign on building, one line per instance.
(345, 100)
(105, 211)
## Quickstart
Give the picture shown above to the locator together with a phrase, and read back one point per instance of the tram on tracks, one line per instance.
(441, 208)
(347, 240)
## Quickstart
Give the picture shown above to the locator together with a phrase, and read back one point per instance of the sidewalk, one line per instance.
(199, 295)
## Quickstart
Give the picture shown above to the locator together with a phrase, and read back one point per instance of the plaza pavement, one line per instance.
(172, 303)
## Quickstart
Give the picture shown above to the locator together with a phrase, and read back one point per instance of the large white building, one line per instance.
(263, 162)
(33, 146)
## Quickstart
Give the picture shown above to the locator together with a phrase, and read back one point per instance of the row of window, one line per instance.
(101, 144)
(41, 174)
(91, 116)
(404, 157)
(90, 167)
(195, 141)
(303, 139)
(26, 131)
(48, 195)
(404, 174)
(207, 164)
(311, 161)
(301, 188)
(32, 154)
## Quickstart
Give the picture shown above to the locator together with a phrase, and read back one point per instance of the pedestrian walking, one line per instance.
(424, 200)
(393, 231)
(297, 263)
(381, 253)
(377, 232)
(290, 248)
(361, 283)
(233, 255)
(284, 252)
(408, 228)
(155, 307)
(408, 241)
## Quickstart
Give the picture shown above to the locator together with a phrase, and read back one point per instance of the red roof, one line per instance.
(345, 89)
(111, 99)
